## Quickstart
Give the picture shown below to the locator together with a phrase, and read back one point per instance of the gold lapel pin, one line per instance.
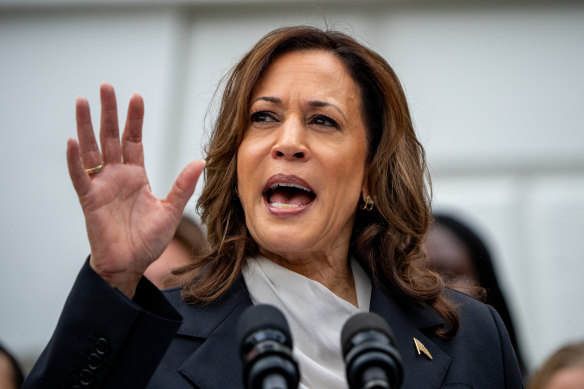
(421, 348)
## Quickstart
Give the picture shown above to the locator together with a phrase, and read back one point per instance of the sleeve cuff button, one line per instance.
(102, 346)
(86, 377)
(94, 361)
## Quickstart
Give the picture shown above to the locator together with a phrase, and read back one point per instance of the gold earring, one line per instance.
(368, 204)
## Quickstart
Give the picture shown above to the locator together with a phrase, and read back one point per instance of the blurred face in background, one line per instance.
(449, 256)
(301, 165)
(175, 255)
(7, 373)
(567, 378)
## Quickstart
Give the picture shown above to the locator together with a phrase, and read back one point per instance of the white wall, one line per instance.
(497, 95)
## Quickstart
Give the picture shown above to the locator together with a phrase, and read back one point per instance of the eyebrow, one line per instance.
(312, 103)
(318, 103)
(270, 99)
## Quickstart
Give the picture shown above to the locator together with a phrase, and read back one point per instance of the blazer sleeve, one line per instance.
(513, 378)
(105, 340)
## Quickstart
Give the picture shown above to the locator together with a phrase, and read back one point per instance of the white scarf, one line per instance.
(315, 315)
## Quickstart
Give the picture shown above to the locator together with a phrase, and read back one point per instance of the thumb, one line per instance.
(185, 184)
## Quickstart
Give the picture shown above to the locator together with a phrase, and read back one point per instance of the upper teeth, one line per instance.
(289, 185)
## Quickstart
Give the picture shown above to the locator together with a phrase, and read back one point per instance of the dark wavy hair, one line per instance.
(387, 240)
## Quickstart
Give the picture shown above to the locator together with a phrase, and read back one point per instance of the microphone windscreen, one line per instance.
(364, 321)
(261, 317)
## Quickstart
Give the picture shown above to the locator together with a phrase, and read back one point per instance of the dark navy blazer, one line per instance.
(105, 340)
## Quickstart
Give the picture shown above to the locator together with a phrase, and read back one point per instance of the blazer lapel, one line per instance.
(420, 371)
(216, 363)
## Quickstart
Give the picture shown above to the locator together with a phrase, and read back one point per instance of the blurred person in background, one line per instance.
(11, 375)
(188, 242)
(456, 252)
(564, 369)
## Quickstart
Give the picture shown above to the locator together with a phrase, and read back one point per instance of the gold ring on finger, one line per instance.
(94, 170)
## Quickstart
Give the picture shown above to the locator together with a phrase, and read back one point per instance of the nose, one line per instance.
(291, 142)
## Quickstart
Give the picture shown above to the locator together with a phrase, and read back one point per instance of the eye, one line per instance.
(323, 120)
(262, 117)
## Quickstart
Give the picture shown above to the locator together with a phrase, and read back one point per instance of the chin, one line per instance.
(284, 240)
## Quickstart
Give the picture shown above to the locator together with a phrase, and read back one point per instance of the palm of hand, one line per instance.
(128, 227)
(125, 221)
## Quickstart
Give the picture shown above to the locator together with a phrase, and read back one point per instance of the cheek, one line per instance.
(251, 149)
(242, 177)
(350, 165)
(248, 159)
(345, 176)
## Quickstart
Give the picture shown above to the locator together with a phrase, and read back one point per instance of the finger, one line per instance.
(88, 148)
(132, 149)
(79, 178)
(184, 186)
(109, 133)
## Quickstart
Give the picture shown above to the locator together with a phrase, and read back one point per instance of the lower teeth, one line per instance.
(280, 205)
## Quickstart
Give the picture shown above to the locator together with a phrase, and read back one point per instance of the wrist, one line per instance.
(125, 281)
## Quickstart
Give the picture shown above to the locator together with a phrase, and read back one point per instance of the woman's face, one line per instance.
(301, 165)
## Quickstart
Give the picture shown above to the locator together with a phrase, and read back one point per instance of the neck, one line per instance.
(333, 272)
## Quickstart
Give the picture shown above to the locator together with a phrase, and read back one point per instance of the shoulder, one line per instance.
(484, 340)
(474, 315)
(174, 296)
(467, 307)
(482, 343)
(477, 321)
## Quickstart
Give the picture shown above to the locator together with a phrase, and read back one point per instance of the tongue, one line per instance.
(297, 198)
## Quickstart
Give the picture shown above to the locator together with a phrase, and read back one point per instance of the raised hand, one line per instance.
(128, 227)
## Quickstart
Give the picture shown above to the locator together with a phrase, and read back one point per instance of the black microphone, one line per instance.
(371, 358)
(265, 346)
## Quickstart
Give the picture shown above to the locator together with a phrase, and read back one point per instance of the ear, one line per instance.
(365, 186)
(364, 195)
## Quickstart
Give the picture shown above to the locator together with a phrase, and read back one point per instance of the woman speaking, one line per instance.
(315, 201)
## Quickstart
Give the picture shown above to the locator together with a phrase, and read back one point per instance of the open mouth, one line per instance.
(288, 192)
